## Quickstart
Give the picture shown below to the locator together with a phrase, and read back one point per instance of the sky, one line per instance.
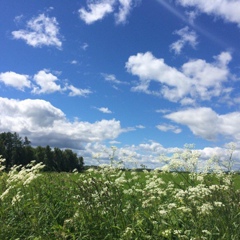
(144, 76)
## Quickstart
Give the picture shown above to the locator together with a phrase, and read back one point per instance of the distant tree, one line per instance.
(18, 151)
(39, 153)
(48, 159)
(26, 142)
(58, 159)
(72, 161)
(29, 154)
(80, 163)
(12, 148)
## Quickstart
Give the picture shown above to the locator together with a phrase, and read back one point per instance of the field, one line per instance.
(112, 203)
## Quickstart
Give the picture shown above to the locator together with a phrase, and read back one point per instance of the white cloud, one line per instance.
(46, 82)
(229, 10)
(207, 78)
(206, 123)
(148, 68)
(96, 10)
(112, 78)
(45, 124)
(191, 16)
(140, 126)
(152, 147)
(186, 37)
(196, 79)
(15, 80)
(124, 10)
(77, 91)
(169, 127)
(187, 101)
(148, 154)
(40, 31)
(84, 46)
(104, 110)
(164, 111)
(74, 62)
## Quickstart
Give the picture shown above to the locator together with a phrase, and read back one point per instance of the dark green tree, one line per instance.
(18, 151)
(12, 148)
(58, 159)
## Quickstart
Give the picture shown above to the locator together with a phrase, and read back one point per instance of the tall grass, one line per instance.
(112, 203)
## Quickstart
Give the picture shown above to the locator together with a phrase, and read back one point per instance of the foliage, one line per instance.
(17, 151)
(112, 203)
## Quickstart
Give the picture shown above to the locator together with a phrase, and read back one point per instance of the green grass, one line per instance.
(109, 203)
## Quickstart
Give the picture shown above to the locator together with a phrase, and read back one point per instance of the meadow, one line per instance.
(109, 202)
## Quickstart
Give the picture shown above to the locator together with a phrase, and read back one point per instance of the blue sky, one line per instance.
(146, 76)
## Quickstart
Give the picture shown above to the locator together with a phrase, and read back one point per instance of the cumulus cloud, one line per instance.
(148, 154)
(45, 124)
(46, 82)
(186, 37)
(225, 9)
(196, 79)
(169, 127)
(43, 82)
(206, 123)
(98, 9)
(19, 81)
(40, 31)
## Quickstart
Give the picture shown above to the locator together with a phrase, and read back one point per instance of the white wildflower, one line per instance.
(218, 204)
(172, 205)
(205, 209)
(163, 212)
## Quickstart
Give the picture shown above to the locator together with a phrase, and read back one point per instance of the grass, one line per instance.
(110, 203)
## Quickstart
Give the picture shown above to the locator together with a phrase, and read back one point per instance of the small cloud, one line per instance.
(84, 46)
(124, 10)
(40, 31)
(192, 16)
(96, 11)
(169, 127)
(114, 142)
(18, 19)
(140, 126)
(163, 111)
(77, 91)
(104, 110)
(18, 81)
(74, 62)
(46, 82)
(186, 37)
(111, 78)
(43, 82)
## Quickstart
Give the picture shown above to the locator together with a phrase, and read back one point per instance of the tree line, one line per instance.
(18, 151)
